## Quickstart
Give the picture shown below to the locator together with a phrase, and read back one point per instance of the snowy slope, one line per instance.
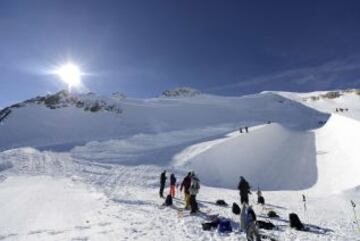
(103, 185)
(261, 155)
(62, 128)
(319, 100)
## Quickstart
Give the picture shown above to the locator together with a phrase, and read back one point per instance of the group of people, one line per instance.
(246, 129)
(190, 185)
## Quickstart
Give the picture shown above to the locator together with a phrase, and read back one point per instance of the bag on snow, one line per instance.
(272, 214)
(221, 203)
(236, 209)
(295, 222)
(265, 225)
(210, 225)
(224, 226)
(261, 200)
(168, 200)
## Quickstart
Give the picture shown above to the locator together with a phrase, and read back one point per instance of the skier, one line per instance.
(240, 130)
(194, 190)
(162, 183)
(244, 189)
(172, 184)
(246, 129)
(186, 183)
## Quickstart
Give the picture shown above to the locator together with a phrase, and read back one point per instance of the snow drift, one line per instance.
(272, 157)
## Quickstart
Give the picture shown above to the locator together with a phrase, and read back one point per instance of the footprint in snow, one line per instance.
(82, 227)
(80, 239)
(2, 237)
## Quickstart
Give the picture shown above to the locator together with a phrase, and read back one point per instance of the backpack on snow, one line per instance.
(224, 226)
(210, 225)
(236, 209)
(265, 225)
(168, 200)
(261, 200)
(295, 222)
(221, 203)
(272, 214)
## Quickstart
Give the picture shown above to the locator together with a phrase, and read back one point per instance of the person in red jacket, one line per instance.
(172, 184)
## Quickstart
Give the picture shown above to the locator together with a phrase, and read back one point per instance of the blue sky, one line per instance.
(143, 47)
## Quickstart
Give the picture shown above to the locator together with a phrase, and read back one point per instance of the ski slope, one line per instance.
(94, 176)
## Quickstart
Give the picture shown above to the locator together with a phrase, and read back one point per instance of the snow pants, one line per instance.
(193, 204)
(161, 192)
(187, 200)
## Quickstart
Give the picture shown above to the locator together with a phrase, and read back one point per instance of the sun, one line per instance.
(70, 74)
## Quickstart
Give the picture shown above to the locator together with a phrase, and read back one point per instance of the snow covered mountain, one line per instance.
(100, 157)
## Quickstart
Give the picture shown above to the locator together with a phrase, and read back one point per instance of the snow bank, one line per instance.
(338, 154)
(4, 164)
(272, 157)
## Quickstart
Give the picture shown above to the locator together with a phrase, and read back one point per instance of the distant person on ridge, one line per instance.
(246, 129)
(244, 189)
(194, 190)
(172, 184)
(240, 130)
(162, 183)
(186, 183)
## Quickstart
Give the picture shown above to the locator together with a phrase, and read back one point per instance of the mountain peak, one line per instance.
(181, 92)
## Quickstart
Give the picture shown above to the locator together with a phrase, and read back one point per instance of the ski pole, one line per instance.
(304, 201)
(353, 204)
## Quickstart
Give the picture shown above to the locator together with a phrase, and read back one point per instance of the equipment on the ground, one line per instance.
(295, 222)
(236, 209)
(221, 202)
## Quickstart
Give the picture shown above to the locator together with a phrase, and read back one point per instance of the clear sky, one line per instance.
(141, 47)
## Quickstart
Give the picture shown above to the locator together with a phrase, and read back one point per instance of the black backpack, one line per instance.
(168, 200)
(236, 209)
(295, 222)
(265, 225)
(272, 214)
(211, 225)
(261, 200)
(221, 203)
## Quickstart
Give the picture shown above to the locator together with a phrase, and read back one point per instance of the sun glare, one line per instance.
(70, 74)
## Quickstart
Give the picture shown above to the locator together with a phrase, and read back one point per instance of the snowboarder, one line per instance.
(240, 130)
(172, 184)
(244, 189)
(246, 129)
(194, 190)
(186, 183)
(162, 183)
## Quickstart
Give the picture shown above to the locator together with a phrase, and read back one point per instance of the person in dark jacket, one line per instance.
(162, 183)
(172, 184)
(186, 183)
(244, 189)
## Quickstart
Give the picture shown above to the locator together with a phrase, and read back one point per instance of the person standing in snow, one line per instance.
(244, 189)
(240, 130)
(246, 129)
(194, 190)
(162, 183)
(172, 184)
(247, 217)
(186, 183)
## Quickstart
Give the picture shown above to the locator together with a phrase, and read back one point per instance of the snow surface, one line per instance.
(68, 174)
